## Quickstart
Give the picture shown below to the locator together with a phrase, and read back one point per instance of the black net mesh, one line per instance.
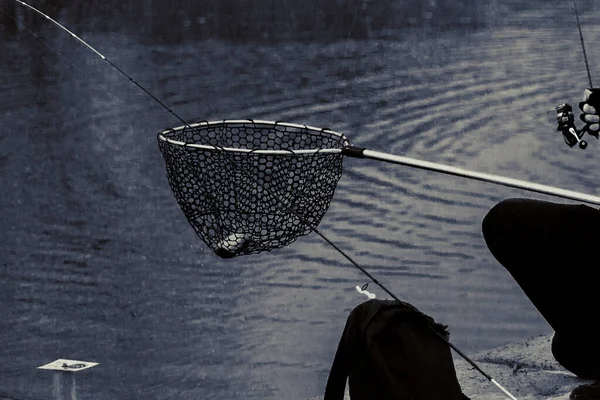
(243, 202)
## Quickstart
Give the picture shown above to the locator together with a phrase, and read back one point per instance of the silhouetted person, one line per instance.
(549, 249)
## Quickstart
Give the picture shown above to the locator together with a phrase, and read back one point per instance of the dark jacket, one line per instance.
(389, 351)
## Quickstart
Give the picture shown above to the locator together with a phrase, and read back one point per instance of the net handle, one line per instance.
(357, 152)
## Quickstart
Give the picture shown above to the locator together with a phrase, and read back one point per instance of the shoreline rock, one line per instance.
(525, 368)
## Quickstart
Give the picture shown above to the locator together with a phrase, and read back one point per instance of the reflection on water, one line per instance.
(99, 264)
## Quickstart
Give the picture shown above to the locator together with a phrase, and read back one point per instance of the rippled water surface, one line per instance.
(98, 262)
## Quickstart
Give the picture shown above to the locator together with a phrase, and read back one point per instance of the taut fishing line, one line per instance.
(282, 184)
(585, 58)
(343, 71)
(69, 62)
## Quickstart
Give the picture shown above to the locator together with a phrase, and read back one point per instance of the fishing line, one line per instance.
(69, 62)
(32, 33)
(314, 229)
(354, 18)
(169, 110)
(587, 65)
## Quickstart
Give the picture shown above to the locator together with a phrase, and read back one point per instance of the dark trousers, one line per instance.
(553, 252)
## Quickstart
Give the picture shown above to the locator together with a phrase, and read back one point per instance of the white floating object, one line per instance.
(68, 365)
(368, 294)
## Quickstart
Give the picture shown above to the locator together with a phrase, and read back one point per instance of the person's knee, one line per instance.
(497, 222)
(505, 232)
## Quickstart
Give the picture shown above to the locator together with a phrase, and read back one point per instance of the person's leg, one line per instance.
(550, 251)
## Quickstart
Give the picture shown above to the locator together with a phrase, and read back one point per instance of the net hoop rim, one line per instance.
(161, 136)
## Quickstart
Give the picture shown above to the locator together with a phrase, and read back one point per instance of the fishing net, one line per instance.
(251, 186)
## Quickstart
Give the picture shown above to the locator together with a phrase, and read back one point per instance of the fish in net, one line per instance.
(252, 186)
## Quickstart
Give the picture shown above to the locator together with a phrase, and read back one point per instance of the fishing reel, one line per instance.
(565, 120)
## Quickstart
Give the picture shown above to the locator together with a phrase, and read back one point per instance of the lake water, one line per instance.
(98, 262)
